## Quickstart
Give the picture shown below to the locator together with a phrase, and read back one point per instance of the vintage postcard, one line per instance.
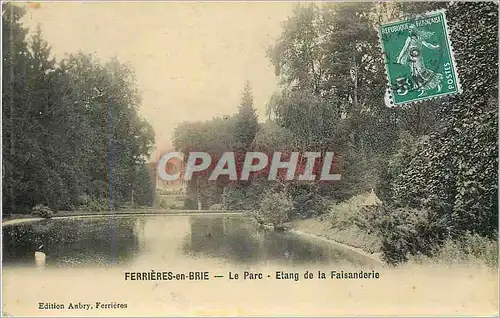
(232, 158)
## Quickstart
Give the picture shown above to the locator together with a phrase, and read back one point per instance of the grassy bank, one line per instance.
(352, 237)
(352, 223)
(340, 225)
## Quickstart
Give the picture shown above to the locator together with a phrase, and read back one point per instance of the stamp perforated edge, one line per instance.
(389, 97)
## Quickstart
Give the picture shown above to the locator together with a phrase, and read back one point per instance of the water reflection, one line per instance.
(67, 242)
(236, 240)
(229, 238)
(110, 241)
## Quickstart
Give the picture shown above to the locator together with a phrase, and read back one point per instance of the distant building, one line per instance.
(178, 186)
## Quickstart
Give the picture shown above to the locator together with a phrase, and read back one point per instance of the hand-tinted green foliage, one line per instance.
(142, 186)
(307, 201)
(312, 121)
(215, 137)
(42, 211)
(436, 156)
(436, 161)
(96, 205)
(333, 84)
(403, 231)
(246, 125)
(393, 165)
(271, 137)
(276, 208)
(235, 133)
(454, 169)
(236, 198)
(69, 128)
(470, 249)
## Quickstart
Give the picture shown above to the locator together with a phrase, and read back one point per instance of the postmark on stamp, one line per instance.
(419, 59)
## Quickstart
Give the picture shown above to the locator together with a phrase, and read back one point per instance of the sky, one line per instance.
(191, 59)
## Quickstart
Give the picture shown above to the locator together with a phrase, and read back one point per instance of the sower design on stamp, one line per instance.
(419, 59)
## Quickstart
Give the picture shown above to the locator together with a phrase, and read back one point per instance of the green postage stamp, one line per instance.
(419, 59)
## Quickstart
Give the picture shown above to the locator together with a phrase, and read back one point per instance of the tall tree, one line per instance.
(113, 139)
(14, 53)
(58, 127)
(246, 120)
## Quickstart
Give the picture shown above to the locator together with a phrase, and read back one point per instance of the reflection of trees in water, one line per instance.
(282, 246)
(223, 237)
(102, 241)
(237, 240)
(139, 230)
(296, 250)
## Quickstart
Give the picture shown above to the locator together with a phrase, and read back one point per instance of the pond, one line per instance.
(88, 259)
(163, 239)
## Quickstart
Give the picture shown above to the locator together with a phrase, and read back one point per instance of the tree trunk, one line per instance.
(198, 195)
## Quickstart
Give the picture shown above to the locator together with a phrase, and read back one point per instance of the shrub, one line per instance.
(242, 197)
(350, 213)
(276, 208)
(97, 205)
(481, 248)
(346, 214)
(42, 211)
(403, 231)
(307, 201)
(471, 249)
(234, 198)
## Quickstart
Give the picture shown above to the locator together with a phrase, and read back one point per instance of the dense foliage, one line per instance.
(276, 208)
(71, 131)
(434, 163)
(42, 211)
(454, 169)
